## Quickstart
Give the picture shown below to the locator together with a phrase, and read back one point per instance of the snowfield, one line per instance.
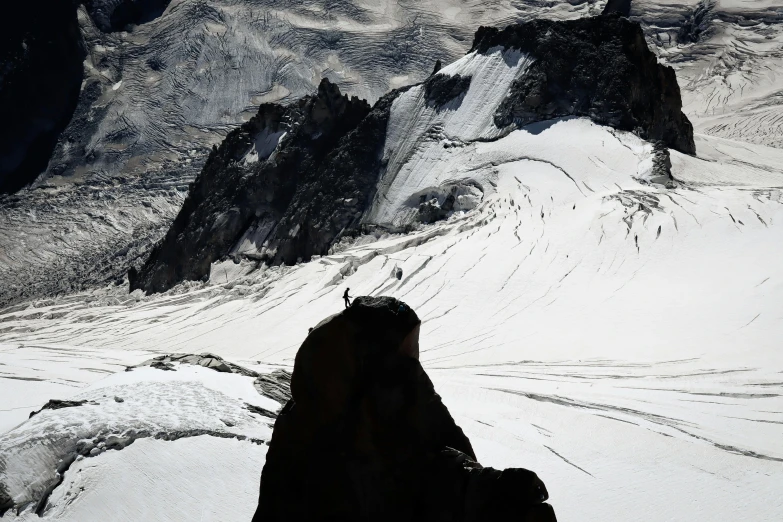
(617, 337)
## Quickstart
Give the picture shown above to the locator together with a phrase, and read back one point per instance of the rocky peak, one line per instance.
(295, 179)
(248, 182)
(598, 67)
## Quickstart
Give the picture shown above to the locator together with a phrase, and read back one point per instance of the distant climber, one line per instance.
(347, 298)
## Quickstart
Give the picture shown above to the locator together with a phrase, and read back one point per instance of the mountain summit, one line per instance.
(295, 179)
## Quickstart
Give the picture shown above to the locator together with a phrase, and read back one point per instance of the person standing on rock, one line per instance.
(365, 437)
(347, 298)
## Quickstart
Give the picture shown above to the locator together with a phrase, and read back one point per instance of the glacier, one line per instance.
(621, 339)
(615, 335)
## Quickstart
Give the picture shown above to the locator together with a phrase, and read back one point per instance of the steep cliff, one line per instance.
(599, 67)
(248, 183)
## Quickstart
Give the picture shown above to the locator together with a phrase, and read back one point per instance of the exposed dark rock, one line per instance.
(439, 89)
(366, 437)
(331, 199)
(41, 55)
(431, 211)
(252, 181)
(621, 7)
(276, 385)
(56, 404)
(207, 360)
(598, 67)
(160, 365)
(662, 165)
(117, 15)
(697, 23)
(292, 181)
(6, 502)
(260, 411)
(438, 67)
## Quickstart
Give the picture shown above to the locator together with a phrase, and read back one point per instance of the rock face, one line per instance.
(252, 183)
(295, 179)
(598, 67)
(41, 55)
(56, 404)
(116, 15)
(366, 437)
(621, 7)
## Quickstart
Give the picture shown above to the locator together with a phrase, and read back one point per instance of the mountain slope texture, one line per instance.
(511, 78)
(593, 258)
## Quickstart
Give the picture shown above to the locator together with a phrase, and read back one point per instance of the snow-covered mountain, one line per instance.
(158, 93)
(589, 312)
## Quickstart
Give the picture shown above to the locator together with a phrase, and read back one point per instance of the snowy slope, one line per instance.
(156, 98)
(617, 337)
(110, 436)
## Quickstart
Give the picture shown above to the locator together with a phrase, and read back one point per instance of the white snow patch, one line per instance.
(417, 134)
(264, 144)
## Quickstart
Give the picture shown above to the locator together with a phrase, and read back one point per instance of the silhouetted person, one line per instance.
(347, 298)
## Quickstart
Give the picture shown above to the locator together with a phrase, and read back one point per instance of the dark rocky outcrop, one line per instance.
(41, 55)
(662, 165)
(257, 179)
(6, 501)
(275, 385)
(207, 360)
(366, 437)
(331, 199)
(598, 67)
(439, 89)
(295, 179)
(621, 7)
(117, 15)
(57, 404)
(698, 23)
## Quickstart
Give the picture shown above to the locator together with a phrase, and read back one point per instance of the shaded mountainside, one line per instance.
(248, 183)
(41, 55)
(286, 185)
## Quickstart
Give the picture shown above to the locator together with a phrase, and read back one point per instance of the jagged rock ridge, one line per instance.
(285, 186)
(599, 67)
(248, 184)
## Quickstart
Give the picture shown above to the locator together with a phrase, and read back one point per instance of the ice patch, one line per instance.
(264, 144)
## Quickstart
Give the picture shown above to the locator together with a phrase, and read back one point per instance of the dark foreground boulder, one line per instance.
(365, 436)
